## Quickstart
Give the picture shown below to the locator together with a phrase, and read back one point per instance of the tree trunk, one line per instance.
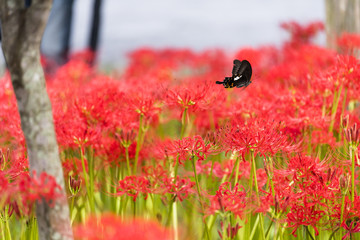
(22, 29)
(341, 16)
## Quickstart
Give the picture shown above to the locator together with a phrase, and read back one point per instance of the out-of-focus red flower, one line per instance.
(187, 147)
(112, 227)
(24, 190)
(180, 188)
(349, 42)
(132, 186)
(302, 34)
(227, 198)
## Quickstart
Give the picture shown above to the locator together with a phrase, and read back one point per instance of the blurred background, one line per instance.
(198, 25)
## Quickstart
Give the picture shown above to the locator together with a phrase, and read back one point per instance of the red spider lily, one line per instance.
(74, 128)
(76, 71)
(23, 191)
(143, 104)
(302, 34)
(155, 174)
(228, 199)
(73, 166)
(261, 137)
(304, 215)
(352, 135)
(231, 231)
(9, 116)
(180, 188)
(217, 171)
(186, 98)
(188, 147)
(351, 227)
(132, 186)
(311, 191)
(112, 227)
(349, 42)
(38, 187)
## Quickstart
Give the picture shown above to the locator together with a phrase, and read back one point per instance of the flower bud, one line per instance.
(74, 185)
(345, 122)
(344, 184)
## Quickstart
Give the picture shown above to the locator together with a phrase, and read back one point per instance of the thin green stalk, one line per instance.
(342, 112)
(183, 123)
(175, 221)
(2, 229)
(254, 227)
(91, 165)
(173, 203)
(91, 199)
(342, 212)
(257, 194)
(212, 219)
(335, 107)
(309, 233)
(127, 160)
(270, 174)
(247, 231)
(138, 142)
(237, 162)
(224, 232)
(352, 156)
(134, 209)
(200, 196)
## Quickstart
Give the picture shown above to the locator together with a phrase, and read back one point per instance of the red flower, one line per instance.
(302, 34)
(229, 199)
(264, 137)
(188, 147)
(132, 186)
(112, 227)
(179, 188)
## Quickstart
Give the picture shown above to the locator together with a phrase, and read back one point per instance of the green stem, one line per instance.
(200, 196)
(257, 194)
(247, 231)
(352, 156)
(335, 107)
(2, 229)
(134, 208)
(127, 160)
(342, 211)
(174, 203)
(92, 178)
(91, 200)
(175, 221)
(309, 233)
(224, 232)
(237, 162)
(183, 123)
(138, 142)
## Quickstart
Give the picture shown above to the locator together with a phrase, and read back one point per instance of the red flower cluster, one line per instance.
(286, 131)
(112, 227)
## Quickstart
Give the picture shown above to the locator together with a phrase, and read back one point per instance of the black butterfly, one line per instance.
(241, 75)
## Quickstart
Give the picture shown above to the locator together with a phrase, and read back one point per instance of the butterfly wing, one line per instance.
(245, 70)
(236, 67)
(244, 75)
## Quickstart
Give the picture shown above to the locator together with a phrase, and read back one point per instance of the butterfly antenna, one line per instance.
(218, 82)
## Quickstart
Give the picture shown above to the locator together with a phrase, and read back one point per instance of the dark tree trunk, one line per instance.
(341, 16)
(22, 29)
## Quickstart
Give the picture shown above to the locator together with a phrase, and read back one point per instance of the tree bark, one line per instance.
(341, 16)
(22, 30)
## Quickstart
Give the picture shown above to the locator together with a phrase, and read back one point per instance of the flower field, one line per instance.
(162, 152)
